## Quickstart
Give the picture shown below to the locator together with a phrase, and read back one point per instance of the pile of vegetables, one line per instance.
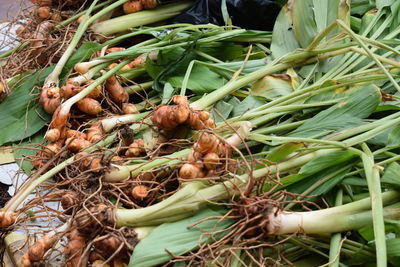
(147, 143)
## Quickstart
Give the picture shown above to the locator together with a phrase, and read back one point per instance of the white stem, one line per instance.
(85, 77)
(142, 232)
(321, 222)
(242, 132)
(84, 67)
(110, 123)
(117, 173)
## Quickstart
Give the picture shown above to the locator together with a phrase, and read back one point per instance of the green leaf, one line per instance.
(380, 139)
(167, 93)
(225, 51)
(330, 177)
(355, 181)
(283, 39)
(331, 94)
(382, 3)
(171, 67)
(310, 17)
(360, 7)
(283, 151)
(394, 137)
(346, 114)
(177, 238)
(223, 109)
(27, 148)
(197, 78)
(392, 174)
(366, 19)
(273, 86)
(326, 161)
(21, 114)
(304, 21)
(224, 11)
(247, 104)
(393, 251)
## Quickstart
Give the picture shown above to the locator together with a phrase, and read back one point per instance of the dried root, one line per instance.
(170, 117)
(88, 161)
(50, 99)
(140, 192)
(43, 156)
(107, 246)
(94, 219)
(89, 106)
(69, 200)
(133, 6)
(95, 132)
(75, 247)
(37, 251)
(135, 149)
(116, 91)
(7, 218)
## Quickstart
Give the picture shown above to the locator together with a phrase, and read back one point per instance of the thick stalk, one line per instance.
(334, 248)
(123, 23)
(374, 187)
(109, 123)
(89, 75)
(119, 173)
(328, 220)
(78, 15)
(53, 79)
(231, 86)
(190, 201)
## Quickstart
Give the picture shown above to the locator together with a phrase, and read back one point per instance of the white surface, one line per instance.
(5, 32)
(10, 175)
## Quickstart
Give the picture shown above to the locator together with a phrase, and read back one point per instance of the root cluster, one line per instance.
(169, 117)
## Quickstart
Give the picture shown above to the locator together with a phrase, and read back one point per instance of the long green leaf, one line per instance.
(21, 113)
(283, 39)
(177, 238)
(346, 114)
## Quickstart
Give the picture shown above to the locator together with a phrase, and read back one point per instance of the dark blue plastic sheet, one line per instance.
(247, 14)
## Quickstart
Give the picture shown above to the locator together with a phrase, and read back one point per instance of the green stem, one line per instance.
(374, 186)
(231, 86)
(136, 32)
(369, 52)
(334, 248)
(66, 106)
(53, 79)
(334, 220)
(16, 49)
(138, 87)
(78, 15)
(125, 22)
(279, 128)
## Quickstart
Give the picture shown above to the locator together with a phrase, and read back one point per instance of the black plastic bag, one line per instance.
(247, 14)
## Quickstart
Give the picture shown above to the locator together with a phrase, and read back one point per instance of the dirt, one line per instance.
(4, 196)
